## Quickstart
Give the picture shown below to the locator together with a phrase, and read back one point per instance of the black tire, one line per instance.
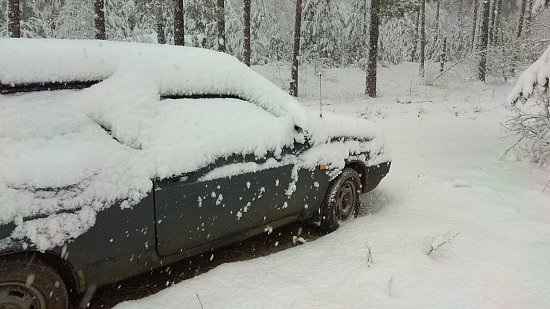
(342, 200)
(26, 283)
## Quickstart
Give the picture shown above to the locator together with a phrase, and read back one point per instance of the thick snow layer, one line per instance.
(172, 70)
(85, 150)
(536, 75)
(447, 179)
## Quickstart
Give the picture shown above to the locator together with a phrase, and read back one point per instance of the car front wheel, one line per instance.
(26, 283)
(342, 200)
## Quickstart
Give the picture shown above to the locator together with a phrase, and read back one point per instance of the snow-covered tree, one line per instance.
(356, 33)
(75, 20)
(530, 100)
(321, 28)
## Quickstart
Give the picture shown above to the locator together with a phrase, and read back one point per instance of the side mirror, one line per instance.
(302, 137)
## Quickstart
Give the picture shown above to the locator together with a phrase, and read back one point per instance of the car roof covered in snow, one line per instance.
(175, 70)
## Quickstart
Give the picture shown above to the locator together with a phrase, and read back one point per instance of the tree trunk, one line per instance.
(221, 26)
(438, 9)
(496, 21)
(296, 54)
(422, 36)
(179, 23)
(492, 8)
(247, 51)
(521, 14)
(483, 39)
(161, 37)
(99, 18)
(529, 18)
(475, 10)
(413, 54)
(442, 56)
(14, 19)
(373, 48)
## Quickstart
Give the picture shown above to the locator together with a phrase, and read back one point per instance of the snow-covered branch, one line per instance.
(536, 76)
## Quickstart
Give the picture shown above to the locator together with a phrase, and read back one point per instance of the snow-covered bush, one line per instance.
(530, 100)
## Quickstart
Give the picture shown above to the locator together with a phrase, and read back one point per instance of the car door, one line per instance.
(230, 195)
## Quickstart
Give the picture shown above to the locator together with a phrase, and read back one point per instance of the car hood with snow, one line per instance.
(127, 113)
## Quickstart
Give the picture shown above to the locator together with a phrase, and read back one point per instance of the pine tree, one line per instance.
(296, 53)
(201, 23)
(75, 21)
(246, 17)
(159, 16)
(179, 23)
(483, 39)
(356, 32)
(99, 19)
(438, 12)
(422, 36)
(221, 25)
(321, 22)
(521, 15)
(475, 10)
(14, 19)
(372, 66)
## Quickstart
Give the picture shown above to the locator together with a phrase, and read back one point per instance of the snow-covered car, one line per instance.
(117, 158)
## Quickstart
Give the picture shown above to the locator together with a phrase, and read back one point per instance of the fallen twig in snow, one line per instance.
(199, 300)
(369, 254)
(435, 244)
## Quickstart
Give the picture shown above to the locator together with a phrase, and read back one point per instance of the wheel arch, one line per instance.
(361, 169)
(62, 266)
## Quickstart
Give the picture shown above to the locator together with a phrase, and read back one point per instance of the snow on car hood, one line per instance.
(65, 155)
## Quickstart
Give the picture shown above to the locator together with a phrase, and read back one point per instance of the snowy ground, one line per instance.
(448, 186)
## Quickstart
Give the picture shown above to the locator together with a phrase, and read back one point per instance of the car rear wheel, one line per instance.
(26, 283)
(342, 200)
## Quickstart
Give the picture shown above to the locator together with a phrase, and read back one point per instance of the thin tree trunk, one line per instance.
(161, 37)
(99, 18)
(413, 54)
(529, 18)
(422, 37)
(14, 19)
(442, 56)
(296, 54)
(437, 17)
(372, 65)
(475, 10)
(461, 13)
(179, 23)
(365, 17)
(483, 39)
(492, 8)
(247, 51)
(496, 21)
(221, 26)
(521, 14)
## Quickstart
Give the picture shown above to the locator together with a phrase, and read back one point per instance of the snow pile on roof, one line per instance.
(537, 75)
(175, 70)
(65, 155)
